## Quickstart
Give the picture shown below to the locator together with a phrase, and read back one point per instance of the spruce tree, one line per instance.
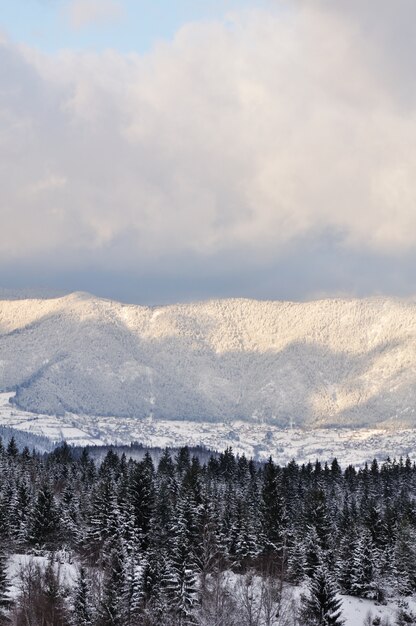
(44, 521)
(12, 449)
(180, 580)
(321, 607)
(273, 510)
(141, 495)
(112, 606)
(364, 571)
(4, 586)
(297, 560)
(403, 564)
(133, 594)
(82, 605)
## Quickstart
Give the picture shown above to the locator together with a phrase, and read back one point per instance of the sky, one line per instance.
(173, 150)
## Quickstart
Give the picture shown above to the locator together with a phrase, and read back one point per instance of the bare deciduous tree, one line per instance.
(217, 604)
(41, 601)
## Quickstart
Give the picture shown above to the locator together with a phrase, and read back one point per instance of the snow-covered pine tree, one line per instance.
(403, 564)
(4, 587)
(82, 614)
(69, 516)
(12, 449)
(364, 570)
(111, 610)
(246, 544)
(180, 578)
(183, 460)
(44, 519)
(133, 594)
(23, 512)
(273, 509)
(321, 607)
(151, 583)
(297, 559)
(317, 516)
(99, 515)
(141, 495)
(166, 466)
(314, 554)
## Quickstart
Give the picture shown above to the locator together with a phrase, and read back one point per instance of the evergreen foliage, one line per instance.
(82, 615)
(4, 587)
(321, 607)
(159, 538)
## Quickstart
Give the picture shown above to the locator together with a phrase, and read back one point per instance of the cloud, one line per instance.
(82, 13)
(227, 147)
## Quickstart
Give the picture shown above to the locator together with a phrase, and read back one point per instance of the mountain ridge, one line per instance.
(341, 362)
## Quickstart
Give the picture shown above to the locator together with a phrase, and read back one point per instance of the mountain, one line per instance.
(320, 363)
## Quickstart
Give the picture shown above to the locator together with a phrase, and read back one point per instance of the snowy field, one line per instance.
(254, 440)
(354, 610)
(66, 570)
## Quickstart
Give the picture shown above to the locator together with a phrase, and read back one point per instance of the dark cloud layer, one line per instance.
(311, 270)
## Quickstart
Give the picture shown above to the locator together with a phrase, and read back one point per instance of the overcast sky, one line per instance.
(158, 151)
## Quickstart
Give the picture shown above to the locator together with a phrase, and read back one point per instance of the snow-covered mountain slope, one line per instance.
(321, 363)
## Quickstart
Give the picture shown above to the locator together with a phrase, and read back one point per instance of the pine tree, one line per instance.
(12, 449)
(183, 460)
(112, 609)
(69, 516)
(404, 561)
(100, 518)
(180, 580)
(246, 548)
(344, 565)
(364, 574)
(44, 521)
(321, 607)
(297, 560)
(82, 612)
(152, 577)
(313, 552)
(23, 512)
(273, 510)
(317, 516)
(134, 593)
(4, 586)
(142, 498)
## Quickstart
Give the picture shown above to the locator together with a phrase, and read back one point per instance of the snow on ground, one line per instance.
(18, 564)
(254, 440)
(354, 610)
(323, 363)
(56, 428)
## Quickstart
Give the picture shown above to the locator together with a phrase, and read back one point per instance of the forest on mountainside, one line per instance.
(186, 543)
(320, 364)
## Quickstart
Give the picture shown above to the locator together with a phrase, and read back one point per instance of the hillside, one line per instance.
(320, 363)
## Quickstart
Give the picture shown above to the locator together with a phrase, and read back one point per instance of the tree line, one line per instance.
(215, 543)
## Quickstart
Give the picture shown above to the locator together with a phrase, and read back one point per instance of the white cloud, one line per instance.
(227, 140)
(82, 13)
(48, 183)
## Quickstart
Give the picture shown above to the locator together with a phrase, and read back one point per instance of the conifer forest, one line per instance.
(186, 541)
